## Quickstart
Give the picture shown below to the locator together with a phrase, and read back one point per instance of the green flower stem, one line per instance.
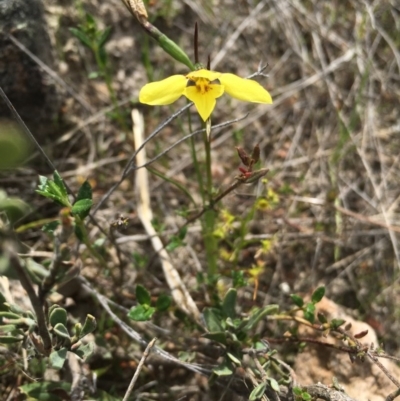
(209, 217)
(196, 162)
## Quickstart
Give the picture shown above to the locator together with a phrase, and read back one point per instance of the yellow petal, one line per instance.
(244, 89)
(204, 102)
(210, 75)
(163, 92)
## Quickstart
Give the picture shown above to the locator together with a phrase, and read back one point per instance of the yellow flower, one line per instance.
(203, 87)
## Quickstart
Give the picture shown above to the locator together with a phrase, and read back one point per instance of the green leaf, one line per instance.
(54, 190)
(9, 315)
(46, 391)
(306, 396)
(104, 36)
(82, 207)
(7, 328)
(84, 351)
(57, 358)
(335, 323)
(213, 319)
(260, 314)
(49, 228)
(60, 184)
(141, 313)
(318, 294)
(79, 233)
(82, 37)
(142, 295)
(58, 315)
(61, 331)
(258, 392)
(322, 318)
(225, 369)
(89, 326)
(177, 240)
(233, 358)
(163, 303)
(85, 191)
(10, 339)
(297, 300)
(94, 75)
(217, 336)
(309, 312)
(297, 391)
(229, 303)
(274, 384)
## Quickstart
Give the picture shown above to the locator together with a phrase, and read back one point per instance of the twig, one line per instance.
(374, 358)
(139, 368)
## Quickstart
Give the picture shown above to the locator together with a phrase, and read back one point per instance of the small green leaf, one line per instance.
(274, 384)
(82, 37)
(94, 75)
(141, 313)
(89, 326)
(297, 391)
(213, 319)
(61, 331)
(46, 391)
(233, 358)
(54, 190)
(258, 392)
(309, 312)
(58, 315)
(82, 208)
(9, 315)
(79, 233)
(318, 294)
(49, 228)
(57, 358)
(85, 191)
(229, 303)
(260, 314)
(104, 36)
(60, 184)
(306, 396)
(218, 336)
(335, 323)
(83, 351)
(10, 339)
(142, 295)
(322, 318)
(225, 369)
(163, 303)
(297, 300)
(7, 328)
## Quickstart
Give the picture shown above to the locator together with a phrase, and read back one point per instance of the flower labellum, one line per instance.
(203, 87)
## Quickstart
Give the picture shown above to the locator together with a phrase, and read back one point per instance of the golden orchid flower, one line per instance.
(203, 87)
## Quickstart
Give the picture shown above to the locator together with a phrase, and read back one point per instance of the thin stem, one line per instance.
(209, 216)
(139, 368)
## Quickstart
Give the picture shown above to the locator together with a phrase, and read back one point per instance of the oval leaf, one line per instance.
(141, 313)
(318, 294)
(57, 358)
